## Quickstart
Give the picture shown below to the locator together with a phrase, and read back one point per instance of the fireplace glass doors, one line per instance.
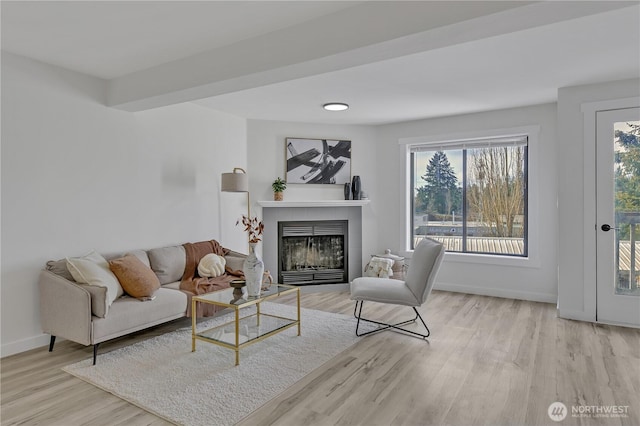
(312, 252)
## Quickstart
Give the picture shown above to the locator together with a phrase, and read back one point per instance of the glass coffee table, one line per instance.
(243, 330)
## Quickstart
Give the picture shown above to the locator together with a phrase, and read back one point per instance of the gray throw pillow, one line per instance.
(168, 263)
(59, 267)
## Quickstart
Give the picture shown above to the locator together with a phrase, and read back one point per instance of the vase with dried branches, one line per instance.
(253, 266)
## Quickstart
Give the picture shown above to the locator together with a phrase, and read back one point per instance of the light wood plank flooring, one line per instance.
(489, 361)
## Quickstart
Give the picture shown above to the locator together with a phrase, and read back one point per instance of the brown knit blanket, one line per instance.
(192, 284)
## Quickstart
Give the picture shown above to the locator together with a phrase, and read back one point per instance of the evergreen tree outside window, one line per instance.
(471, 195)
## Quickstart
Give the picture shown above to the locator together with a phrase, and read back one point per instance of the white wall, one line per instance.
(534, 279)
(576, 195)
(77, 175)
(266, 153)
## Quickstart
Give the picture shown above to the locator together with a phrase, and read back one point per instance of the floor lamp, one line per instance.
(237, 181)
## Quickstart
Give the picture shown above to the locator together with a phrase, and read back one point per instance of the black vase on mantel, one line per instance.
(355, 187)
(347, 191)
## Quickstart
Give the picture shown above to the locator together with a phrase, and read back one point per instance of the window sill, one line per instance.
(486, 259)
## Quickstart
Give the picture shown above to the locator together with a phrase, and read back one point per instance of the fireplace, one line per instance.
(313, 252)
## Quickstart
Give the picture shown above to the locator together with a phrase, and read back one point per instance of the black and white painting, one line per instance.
(316, 161)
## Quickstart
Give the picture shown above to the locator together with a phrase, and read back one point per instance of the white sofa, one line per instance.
(68, 309)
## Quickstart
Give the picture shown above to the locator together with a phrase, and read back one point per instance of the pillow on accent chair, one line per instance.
(93, 269)
(211, 265)
(136, 278)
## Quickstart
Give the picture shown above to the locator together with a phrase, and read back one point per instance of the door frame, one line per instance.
(589, 111)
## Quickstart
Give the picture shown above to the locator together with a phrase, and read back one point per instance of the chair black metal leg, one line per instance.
(423, 323)
(386, 326)
(51, 343)
(95, 352)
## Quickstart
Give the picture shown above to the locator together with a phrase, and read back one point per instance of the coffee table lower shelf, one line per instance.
(243, 330)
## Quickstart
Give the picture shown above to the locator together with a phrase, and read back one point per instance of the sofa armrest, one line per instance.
(65, 308)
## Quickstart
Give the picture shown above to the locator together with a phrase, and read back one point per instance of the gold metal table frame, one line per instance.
(249, 329)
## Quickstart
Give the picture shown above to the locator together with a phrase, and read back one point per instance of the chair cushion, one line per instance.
(383, 290)
(424, 266)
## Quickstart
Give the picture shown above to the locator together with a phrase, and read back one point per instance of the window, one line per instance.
(471, 195)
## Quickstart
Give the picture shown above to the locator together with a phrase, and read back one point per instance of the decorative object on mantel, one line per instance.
(318, 161)
(237, 181)
(356, 187)
(347, 191)
(278, 187)
(253, 266)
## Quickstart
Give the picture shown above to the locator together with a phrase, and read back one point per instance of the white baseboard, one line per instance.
(576, 315)
(498, 292)
(619, 324)
(24, 345)
(584, 316)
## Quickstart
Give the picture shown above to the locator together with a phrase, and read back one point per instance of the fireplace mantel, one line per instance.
(311, 203)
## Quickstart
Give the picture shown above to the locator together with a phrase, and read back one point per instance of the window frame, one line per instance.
(441, 141)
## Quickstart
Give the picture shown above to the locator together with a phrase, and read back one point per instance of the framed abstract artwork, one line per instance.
(318, 161)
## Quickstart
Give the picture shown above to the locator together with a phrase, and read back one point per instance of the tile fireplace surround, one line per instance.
(290, 211)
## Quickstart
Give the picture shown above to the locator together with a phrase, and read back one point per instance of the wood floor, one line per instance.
(489, 361)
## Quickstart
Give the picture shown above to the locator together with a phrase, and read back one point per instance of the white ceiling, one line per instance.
(111, 40)
(523, 68)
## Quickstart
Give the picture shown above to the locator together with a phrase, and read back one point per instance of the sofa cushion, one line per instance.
(235, 262)
(142, 256)
(168, 263)
(99, 300)
(136, 278)
(93, 269)
(128, 314)
(174, 285)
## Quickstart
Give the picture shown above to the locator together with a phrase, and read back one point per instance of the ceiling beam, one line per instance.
(360, 35)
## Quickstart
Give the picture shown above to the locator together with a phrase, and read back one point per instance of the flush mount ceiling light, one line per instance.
(335, 106)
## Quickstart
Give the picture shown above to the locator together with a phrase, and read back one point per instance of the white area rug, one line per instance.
(163, 376)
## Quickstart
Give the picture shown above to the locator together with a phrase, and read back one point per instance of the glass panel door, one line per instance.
(618, 216)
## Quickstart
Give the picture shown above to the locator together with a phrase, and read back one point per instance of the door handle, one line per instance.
(606, 227)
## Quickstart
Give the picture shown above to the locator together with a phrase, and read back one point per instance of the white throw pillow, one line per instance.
(93, 269)
(379, 267)
(211, 265)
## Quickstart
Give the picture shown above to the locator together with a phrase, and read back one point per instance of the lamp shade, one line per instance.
(235, 181)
